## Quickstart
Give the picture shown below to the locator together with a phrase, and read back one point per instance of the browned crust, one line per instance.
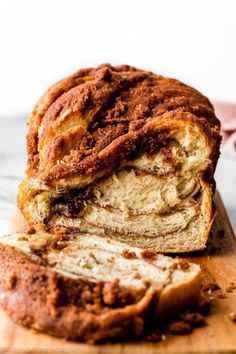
(83, 114)
(35, 296)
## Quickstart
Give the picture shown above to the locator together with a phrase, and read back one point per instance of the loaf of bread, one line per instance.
(85, 287)
(125, 154)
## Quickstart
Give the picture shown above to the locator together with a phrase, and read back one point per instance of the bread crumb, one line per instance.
(148, 254)
(230, 287)
(180, 328)
(29, 230)
(128, 254)
(10, 282)
(195, 319)
(181, 264)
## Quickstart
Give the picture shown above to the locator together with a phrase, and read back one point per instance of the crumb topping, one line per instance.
(105, 104)
(149, 254)
(129, 254)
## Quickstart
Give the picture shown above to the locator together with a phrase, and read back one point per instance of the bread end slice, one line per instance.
(89, 288)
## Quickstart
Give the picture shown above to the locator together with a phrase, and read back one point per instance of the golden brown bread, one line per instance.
(126, 154)
(91, 288)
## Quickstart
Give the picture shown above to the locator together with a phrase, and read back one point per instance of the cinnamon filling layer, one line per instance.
(129, 202)
(70, 204)
(152, 195)
(138, 178)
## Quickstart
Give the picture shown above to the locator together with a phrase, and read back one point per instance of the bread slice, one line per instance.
(85, 287)
(126, 154)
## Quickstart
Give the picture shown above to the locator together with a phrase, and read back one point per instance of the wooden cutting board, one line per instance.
(218, 264)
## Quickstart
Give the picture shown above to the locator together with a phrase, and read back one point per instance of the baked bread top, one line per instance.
(91, 121)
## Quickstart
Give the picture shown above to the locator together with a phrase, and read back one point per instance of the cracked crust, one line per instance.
(81, 116)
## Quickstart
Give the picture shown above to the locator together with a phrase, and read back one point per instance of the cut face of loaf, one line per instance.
(90, 288)
(135, 165)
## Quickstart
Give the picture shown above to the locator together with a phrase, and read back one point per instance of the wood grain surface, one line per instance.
(218, 264)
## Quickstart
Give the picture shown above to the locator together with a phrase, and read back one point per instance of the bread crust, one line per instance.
(108, 107)
(37, 297)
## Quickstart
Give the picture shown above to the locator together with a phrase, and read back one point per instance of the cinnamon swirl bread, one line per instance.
(125, 154)
(91, 288)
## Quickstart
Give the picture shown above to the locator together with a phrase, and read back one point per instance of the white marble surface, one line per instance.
(13, 162)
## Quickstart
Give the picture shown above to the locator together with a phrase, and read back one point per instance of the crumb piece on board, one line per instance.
(180, 327)
(232, 316)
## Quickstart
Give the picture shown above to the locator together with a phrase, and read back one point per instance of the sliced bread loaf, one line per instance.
(126, 154)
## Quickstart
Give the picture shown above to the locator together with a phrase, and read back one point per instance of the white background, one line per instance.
(42, 41)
